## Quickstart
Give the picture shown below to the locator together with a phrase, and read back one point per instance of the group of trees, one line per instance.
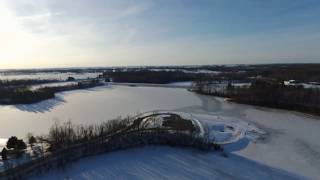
(23, 95)
(177, 122)
(70, 78)
(267, 86)
(281, 72)
(23, 82)
(67, 134)
(270, 93)
(148, 76)
(17, 91)
(298, 72)
(69, 142)
(16, 146)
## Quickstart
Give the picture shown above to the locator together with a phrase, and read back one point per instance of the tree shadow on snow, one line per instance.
(41, 107)
(158, 162)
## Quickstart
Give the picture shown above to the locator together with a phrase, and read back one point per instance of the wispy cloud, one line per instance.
(135, 9)
(39, 17)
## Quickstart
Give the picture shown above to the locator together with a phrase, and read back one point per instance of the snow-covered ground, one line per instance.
(167, 163)
(226, 130)
(283, 140)
(291, 140)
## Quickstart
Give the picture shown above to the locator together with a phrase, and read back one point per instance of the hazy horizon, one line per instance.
(59, 34)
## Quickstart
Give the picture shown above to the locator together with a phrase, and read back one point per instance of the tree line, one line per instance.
(23, 95)
(266, 92)
(148, 76)
(24, 82)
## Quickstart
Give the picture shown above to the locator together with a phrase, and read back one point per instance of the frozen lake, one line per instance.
(292, 142)
(91, 106)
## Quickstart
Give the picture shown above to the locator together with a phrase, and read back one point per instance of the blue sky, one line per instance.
(59, 33)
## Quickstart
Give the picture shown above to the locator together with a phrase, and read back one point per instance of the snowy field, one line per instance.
(277, 144)
(53, 75)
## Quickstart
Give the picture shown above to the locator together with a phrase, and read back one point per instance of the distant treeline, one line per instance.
(267, 93)
(23, 95)
(16, 91)
(54, 70)
(299, 72)
(23, 82)
(281, 72)
(146, 76)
